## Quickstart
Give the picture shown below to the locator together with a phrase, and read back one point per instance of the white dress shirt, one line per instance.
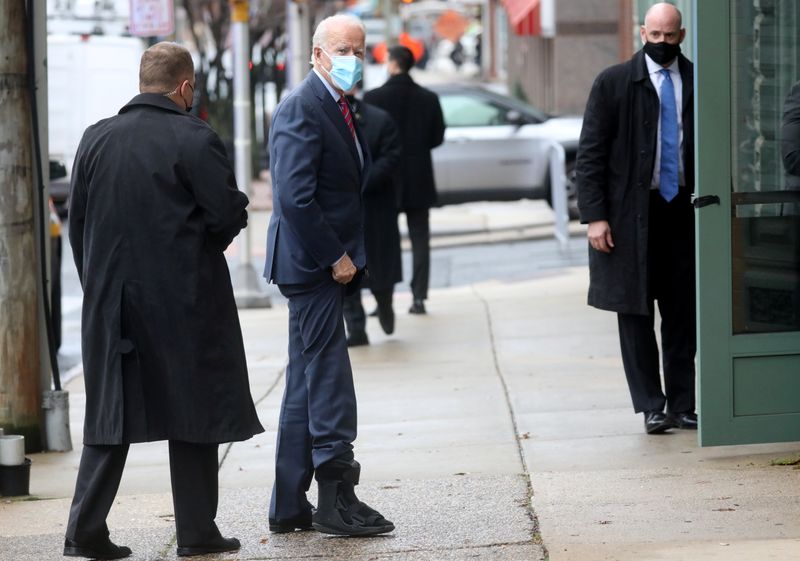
(657, 78)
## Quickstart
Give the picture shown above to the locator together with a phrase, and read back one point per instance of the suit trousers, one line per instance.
(419, 233)
(194, 475)
(671, 282)
(318, 414)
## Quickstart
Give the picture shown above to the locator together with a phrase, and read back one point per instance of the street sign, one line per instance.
(152, 18)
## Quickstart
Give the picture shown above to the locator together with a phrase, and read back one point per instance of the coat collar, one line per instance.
(153, 100)
(641, 74)
(402, 78)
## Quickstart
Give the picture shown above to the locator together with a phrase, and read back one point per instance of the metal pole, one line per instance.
(558, 192)
(297, 64)
(20, 384)
(246, 285)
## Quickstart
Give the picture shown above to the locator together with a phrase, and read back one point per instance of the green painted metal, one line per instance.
(748, 384)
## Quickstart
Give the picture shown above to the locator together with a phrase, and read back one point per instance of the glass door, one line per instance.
(748, 247)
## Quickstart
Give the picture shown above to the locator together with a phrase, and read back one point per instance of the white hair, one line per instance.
(320, 37)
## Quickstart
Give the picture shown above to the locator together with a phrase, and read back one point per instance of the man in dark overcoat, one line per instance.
(315, 253)
(635, 179)
(381, 233)
(153, 205)
(418, 116)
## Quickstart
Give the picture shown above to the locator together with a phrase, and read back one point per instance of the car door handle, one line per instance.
(705, 200)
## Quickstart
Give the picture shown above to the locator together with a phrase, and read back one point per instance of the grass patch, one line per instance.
(794, 461)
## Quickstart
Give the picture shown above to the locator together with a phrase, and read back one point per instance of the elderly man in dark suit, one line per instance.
(635, 179)
(153, 205)
(418, 116)
(315, 252)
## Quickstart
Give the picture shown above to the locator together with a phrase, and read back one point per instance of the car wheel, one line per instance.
(572, 190)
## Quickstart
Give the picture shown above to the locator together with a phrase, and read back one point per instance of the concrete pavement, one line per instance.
(498, 427)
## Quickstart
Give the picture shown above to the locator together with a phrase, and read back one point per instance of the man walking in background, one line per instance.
(418, 115)
(635, 174)
(153, 205)
(315, 252)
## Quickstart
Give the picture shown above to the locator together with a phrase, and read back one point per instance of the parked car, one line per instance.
(57, 204)
(497, 148)
(59, 187)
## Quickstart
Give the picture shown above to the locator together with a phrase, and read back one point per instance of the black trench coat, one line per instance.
(615, 162)
(419, 119)
(380, 197)
(153, 205)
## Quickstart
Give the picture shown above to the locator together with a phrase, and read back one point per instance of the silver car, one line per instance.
(497, 147)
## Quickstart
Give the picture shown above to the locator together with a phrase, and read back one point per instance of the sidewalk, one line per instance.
(502, 394)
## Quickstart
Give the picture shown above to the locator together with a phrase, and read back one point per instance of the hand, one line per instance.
(599, 235)
(344, 270)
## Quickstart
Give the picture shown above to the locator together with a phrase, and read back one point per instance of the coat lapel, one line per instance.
(333, 112)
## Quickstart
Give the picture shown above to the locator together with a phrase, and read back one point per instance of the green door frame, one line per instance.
(722, 356)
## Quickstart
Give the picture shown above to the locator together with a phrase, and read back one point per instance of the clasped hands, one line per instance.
(344, 270)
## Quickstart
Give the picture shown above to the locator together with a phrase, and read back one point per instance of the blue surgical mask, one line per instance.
(345, 70)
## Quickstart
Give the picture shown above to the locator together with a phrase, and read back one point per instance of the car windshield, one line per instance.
(480, 108)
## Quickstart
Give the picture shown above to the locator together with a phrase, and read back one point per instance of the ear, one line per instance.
(683, 35)
(643, 34)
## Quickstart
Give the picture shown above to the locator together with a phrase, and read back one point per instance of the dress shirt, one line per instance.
(657, 78)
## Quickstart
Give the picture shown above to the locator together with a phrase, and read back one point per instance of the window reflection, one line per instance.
(766, 196)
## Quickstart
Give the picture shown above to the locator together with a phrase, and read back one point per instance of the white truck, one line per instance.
(89, 77)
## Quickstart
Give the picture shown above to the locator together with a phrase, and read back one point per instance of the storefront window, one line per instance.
(765, 59)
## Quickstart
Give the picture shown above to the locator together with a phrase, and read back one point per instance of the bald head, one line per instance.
(164, 67)
(662, 24)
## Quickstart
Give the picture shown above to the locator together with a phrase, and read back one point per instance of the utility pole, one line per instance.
(246, 289)
(20, 385)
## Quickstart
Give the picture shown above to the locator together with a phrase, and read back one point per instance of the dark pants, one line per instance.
(194, 474)
(419, 233)
(318, 415)
(671, 282)
(354, 316)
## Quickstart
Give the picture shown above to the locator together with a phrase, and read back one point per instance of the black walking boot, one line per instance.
(339, 512)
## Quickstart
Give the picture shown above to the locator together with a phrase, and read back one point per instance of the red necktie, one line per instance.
(348, 117)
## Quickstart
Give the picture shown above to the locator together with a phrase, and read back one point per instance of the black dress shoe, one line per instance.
(219, 545)
(386, 318)
(685, 420)
(417, 307)
(656, 422)
(287, 525)
(102, 549)
(357, 339)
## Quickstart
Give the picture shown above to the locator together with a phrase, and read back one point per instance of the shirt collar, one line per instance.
(653, 67)
(334, 94)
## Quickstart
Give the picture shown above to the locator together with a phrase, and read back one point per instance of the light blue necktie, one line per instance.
(668, 183)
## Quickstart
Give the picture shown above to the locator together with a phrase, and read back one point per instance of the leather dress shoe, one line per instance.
(656, 422)
(685, 420)
(417, 307)
(102, 549)
(219, 545)
(357, 339)
(287, 525)
(386, 318)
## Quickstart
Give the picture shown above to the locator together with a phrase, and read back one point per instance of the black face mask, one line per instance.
(662, 53)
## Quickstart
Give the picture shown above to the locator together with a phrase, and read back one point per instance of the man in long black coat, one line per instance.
(418, 115)
(381, 233)
(153, 205)
(635, 178)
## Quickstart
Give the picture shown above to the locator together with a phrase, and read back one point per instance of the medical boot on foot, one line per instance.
(339, 512)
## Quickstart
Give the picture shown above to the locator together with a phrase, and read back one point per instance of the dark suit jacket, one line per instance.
(153, 205)
(317, 179)
(418, 116)
(615, 163)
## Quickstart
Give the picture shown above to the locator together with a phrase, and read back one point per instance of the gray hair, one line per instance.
(320, 37)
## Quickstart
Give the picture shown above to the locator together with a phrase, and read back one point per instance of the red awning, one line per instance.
(524, 16)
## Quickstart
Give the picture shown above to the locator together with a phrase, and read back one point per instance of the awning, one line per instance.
(524, 16)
